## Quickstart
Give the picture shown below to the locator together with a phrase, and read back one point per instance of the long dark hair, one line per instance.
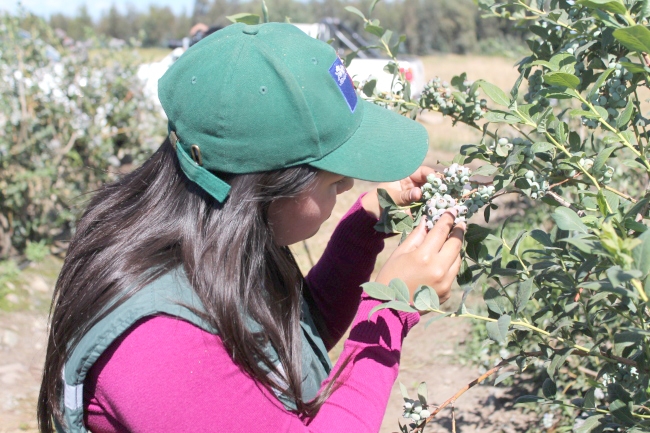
(153, 220)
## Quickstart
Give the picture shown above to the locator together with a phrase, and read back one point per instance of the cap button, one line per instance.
(251, 30)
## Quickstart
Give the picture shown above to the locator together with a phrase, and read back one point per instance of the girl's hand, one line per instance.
(431, 258)
(403, 192)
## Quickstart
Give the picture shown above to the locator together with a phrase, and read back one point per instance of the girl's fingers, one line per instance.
(453, 272)
(420, 175)
(438, 235)
(414, 239)
(453, 245)
(408, 196)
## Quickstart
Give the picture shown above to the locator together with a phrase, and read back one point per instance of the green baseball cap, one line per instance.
(264, 97)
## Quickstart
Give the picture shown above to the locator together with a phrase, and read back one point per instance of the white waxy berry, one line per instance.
(530, 174)
(425, 414)
(441, 203)
(443, 188)
(503, 141)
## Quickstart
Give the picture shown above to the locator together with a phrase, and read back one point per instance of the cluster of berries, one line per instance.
(604, 175)
(455, 191)
(613, 95)
(538, 184)
(535, 85)
(626, 376)
(464, 104)
(413, 409)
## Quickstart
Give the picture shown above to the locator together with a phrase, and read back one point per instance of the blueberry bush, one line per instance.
(72, 116)
(565, 300)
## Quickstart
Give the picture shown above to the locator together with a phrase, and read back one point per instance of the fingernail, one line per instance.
(411, 195)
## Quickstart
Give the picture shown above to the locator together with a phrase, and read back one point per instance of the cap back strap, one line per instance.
(214, 186)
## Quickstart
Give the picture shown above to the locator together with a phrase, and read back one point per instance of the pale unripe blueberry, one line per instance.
(425, 414)
(443, 188)
(415, 417)
(587, 163)
(503, 141)
(431, 178)
(441, 203)
(534, 186)
(408, 405)
(534, 195)
(530, 174)
(462, 210)
(417, 407)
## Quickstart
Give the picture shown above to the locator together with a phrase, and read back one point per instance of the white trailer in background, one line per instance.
(366, 66)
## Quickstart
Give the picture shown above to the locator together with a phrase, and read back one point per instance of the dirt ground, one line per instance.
(430, 355)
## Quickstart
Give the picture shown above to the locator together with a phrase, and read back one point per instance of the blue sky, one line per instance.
(95, 7)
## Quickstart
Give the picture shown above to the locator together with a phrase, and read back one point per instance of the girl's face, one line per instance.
(296, 219)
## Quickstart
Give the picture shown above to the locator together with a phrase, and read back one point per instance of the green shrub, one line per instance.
(69, 122)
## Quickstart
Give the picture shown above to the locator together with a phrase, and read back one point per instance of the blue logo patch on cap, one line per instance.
(343, 80)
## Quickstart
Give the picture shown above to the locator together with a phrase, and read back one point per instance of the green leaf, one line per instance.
(379, 291)
(614, 6)
(246, 18)
(625, 339)
(502, 377)
(524, 292)
(542, 237)
(541, 147)
(602, 158)
(393, 305)
(549, 388)
(498, 331)
(404, 391)
(558, 360)
(496, 94)
(621, 411)
(372, 6)
(635, 68)
(635, 38)
(496, 302)
(426, 299)
(356, 12)
(369, 87)
(528, 399)
(599, 82)
(485, 170)
(625, 115)
(476, 233)
(618, 276)
(374, 30)
(590, 424)
(385, 200)
(497, 116)
(401, 290)
(566, 219)
(589, 399)
(422, 393)
(641, 253)
(562, 79)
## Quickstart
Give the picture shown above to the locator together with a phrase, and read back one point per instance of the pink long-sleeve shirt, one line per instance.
(167, 375)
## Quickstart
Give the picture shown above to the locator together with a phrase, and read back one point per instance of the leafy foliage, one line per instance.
(567, 300)
(69, 122)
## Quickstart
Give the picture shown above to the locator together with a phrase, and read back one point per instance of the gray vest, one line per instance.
(170, 294)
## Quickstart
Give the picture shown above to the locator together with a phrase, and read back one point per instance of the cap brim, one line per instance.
(385, 147)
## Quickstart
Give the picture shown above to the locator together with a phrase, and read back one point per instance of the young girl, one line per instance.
(180, 307)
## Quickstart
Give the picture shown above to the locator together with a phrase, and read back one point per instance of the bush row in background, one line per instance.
(69, 122)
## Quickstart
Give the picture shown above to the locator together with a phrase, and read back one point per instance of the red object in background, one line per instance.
(408, 74)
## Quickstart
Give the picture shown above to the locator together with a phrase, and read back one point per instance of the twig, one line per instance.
(646, 58)
(453, 419)
(565, 180)
(564, 203)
